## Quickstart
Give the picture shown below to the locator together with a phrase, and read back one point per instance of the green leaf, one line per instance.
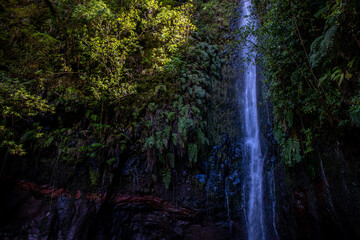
(192, 152)
(166, 177)
(49, 141)
(171, 159)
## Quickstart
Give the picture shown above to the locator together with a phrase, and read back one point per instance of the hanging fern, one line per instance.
(315, 45)
(291, 151)
(322, 45)
(193, 152)
(171, 160)
(166, 177)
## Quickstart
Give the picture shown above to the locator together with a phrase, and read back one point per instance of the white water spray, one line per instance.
(254, 159)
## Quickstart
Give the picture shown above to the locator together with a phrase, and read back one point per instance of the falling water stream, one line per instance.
(254, 203)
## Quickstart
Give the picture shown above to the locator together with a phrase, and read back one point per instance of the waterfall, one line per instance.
(254, 159)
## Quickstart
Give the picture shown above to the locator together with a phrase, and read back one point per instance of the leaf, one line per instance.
(170, 116)
(192, 152)
(49, 141)
(94, 176)
(159, 88)
(166, 177)
(174, 138)
(152, 107)
(341, 79)
(94, 117)
(291, 151)
(111, 161)
(171, 159)
(322, 45)
(320, 12)
(29, 135)
(150, 142)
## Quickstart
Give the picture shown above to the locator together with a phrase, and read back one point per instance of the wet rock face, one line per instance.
(134, 206)
(34, 215)
(322, 204)
(33, 212)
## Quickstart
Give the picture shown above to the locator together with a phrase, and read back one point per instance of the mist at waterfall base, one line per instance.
(258, 193)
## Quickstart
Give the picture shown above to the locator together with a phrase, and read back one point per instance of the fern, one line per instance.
(166, 177)
(322, 45)
(171, 159)
(183, 125)
(170, 116)
(355, 115)
(200, 91)
(174, 138)
(289, 118)
(315, 44)
(193, 152)
(204, 55)
(149, 142)
(94, 176)
(308, 141)
(201, 136)
(355, 110)
(291, 151)
(279, 135)
(328, 40)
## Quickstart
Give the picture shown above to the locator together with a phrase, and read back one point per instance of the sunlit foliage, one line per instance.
(85, 82)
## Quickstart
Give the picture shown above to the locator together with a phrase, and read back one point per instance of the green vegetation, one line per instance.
(311, 63)
(84, 82)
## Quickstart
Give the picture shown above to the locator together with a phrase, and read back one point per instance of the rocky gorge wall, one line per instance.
(320, 202)
(30, 211)
(133, 206)
(316, 198)
(317, 202)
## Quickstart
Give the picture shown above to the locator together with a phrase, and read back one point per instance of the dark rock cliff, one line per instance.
(133, 206)
(320, 202)
(30, 211)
